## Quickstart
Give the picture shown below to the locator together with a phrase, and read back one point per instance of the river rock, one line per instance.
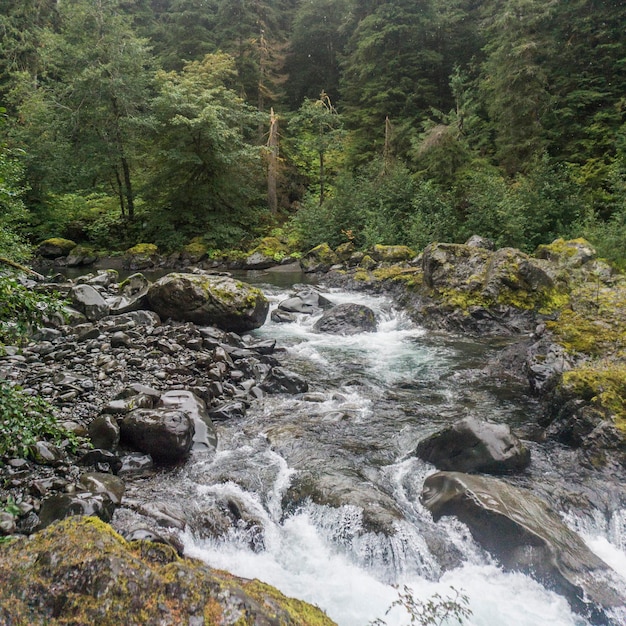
(104, 432)
(205, 435)
(61, 506)
(524, 534)
(307, 302)
(99, 482)
(88, 301)
(165, 434)
(319, 259)
(472, 445)
(228, 411)
(391, 254)
(80, 571)
(347, 319)
(209, 300)
(281, 380)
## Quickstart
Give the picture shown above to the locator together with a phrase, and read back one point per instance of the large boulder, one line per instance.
(391, 254)
(141, 257)
(319, 259)
(89, 302)
(308, 301)
(205, 434)
(524, 534)
(165, 434)
(80, 571)
(209, 299)
(55, 248)
(471, 445)
(347, 319)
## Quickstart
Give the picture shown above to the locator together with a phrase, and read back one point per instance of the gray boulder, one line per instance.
(281, 380)
(165, 434)
(307, 302)
(205, 435)
(208, 299)
(104, 432)
(347, 319)
(88, 301)
(471, 445)
(524, 534)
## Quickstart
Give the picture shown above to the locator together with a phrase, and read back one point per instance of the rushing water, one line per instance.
(313, 481)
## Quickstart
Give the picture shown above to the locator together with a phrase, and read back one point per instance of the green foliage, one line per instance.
(435, 611)
(26, 419)
(22, 309)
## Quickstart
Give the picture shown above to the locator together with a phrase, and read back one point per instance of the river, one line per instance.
(325, 490)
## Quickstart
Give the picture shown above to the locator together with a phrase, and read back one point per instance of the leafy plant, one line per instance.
(434, 611)
(21, 309)
(26, 419)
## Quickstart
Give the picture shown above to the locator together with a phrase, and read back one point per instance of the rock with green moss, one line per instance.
(81, 256)
(141, 257)
(80, 571)
(391, 254)
(55, 248)
(319, 259)
(568, 253)
(209, 299)
(195, 251)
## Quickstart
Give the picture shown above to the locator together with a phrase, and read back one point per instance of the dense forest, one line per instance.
(221, 121)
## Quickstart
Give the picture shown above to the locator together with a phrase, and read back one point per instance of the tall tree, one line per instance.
(205, 169)
(95, 87)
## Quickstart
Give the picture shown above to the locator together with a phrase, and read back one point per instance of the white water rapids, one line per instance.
(321, 554)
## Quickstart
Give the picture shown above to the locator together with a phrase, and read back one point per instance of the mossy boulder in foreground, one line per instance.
(80, 571)
(209, 299)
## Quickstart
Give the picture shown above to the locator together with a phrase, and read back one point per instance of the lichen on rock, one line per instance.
(80, 571)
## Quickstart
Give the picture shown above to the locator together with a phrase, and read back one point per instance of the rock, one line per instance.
(61, 506)
(166, 435)
(471, 445)
(46, 453)
(282, 317)
(135, 463)
(568, 254)
(524, 534)
(205, 435)
(208, 299)
(140, 257)
(55, 248)
(134, 284)
(476, 241)
(228, 411)
(98, 482)
(126, 304)
(80, 571)
(454, 266)
(104, 432)
(347, 319)
(391, 254)
(307, 302)
(88, 301)
(258, 261)
(281, 380)
(102, 460)
(319, 259)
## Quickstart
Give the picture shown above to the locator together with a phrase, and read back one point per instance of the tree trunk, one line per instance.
(321, 177)
(130, 201)
(272, 166)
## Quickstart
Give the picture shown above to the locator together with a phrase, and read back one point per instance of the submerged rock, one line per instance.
(81, 572)
(347, 319)
(209, 299)
(524, 534)
(471, 445)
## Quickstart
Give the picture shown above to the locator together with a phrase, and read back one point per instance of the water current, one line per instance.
(325, 490)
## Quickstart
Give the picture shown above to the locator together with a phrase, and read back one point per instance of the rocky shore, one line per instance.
(143, 371)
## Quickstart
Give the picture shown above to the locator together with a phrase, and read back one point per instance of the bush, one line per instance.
(22, 309)
(26, 419)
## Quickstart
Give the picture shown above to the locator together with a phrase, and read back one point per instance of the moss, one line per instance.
(391, 254)
(272, 248)
(602, 383)
(362, 276)
(59, 242)
(196, 248)
(142, 249)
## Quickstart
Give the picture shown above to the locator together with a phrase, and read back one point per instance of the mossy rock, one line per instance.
(55, 247)
(367, 263)
(345, 251)
(568, 253)
(391, 254)
(141, 256)
(195, 250)
(319, 259)
(80, 571)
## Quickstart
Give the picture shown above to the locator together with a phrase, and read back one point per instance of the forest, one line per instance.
(401, 122)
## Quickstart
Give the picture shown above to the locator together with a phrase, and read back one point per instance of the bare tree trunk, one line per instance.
(130, 201)
(20, 267)
(272, 166)
(120, 192)
(387, 148)
(321, 177)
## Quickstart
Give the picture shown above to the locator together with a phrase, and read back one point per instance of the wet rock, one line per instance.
(524, 534)
(100, 483)
(88, 301)
(282, 317)
(471, 445)
(46, 453)
(165, 514)
(104, 432)
(228, 411)
(102, 460)
(347, 319)
(135, 463)
(133, 285)
(210, 300)
(164, 434)
(205, 435)
(281, 380)
(307, 302)
(81, 571)
(61, 506)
